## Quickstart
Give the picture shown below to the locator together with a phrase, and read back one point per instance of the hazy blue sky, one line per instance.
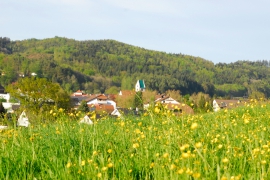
(216, 30)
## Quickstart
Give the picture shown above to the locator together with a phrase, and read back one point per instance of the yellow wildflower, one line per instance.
(110, 165)
(166, 155)
(136, 145)
(83, 163)
(69, 164)
(194, 126)
(99, 175)
(198, 145)
(196, 175)
(180, 171)
(225, 160)
(157, 110)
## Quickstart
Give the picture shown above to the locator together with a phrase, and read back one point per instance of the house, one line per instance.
(140, 86)
(100, 99)
(226, 104)
(172, 104)
(77, 97)
(10, 107)
(79, 93)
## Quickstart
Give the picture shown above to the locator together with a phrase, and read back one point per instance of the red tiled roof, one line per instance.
(102, 107)
(97, 96)
(158, 96)
(162, 98)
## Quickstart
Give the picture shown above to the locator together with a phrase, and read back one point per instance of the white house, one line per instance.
(140, 86)
(9, 107)
(100, 99)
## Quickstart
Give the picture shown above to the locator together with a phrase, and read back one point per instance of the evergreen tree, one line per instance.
(138, 101)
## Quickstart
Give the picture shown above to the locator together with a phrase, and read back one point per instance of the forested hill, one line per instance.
(108, 65)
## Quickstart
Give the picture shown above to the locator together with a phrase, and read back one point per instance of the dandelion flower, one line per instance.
(152, 165)
(69, 164)
(196, 175)
(180, 171)
(185, 155)
(194, 126)
(166, 155)
(263, 162)
(135, 145)
(198, 145)
(99, 175)
(83, 163)
(110, 165)
(173, 166)
(225, 160)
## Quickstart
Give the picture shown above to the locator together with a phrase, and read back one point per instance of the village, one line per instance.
(108, 102)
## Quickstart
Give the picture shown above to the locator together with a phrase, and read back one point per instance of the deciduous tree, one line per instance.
(36, 93)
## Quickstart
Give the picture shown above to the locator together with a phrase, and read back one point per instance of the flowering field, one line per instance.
(231, 144)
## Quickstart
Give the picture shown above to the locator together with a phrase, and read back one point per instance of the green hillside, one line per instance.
(107, 65)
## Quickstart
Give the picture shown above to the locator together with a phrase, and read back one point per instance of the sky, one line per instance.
(221, 31)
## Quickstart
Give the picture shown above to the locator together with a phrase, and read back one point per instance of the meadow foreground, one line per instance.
(231, 144)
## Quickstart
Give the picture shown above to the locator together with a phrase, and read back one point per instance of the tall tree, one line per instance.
(138, 100)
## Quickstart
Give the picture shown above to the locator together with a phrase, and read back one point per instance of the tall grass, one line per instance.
(231, 144)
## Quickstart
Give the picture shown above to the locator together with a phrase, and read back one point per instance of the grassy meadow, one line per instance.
(230, 144)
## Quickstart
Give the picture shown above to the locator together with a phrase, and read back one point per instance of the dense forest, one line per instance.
(108, 66)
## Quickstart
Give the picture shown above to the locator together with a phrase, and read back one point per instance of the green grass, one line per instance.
(230, 144)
